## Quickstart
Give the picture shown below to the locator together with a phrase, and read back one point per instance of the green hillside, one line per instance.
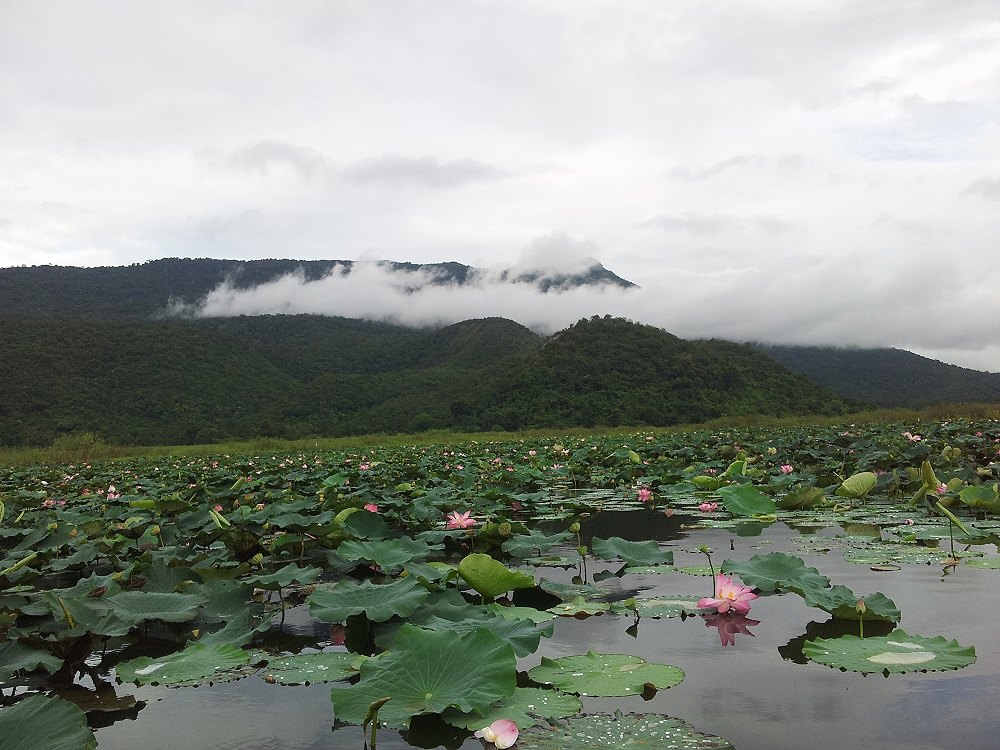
(888, 377)
(149, 382)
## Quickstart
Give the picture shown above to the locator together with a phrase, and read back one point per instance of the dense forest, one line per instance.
(295, 376)
(888, 377)
(93, 349)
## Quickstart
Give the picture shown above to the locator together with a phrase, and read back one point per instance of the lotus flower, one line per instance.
(458, 520)
(708, 507)
(728, 596)
(644, 495)
(371, 507)
(787, 468)
(502, 733)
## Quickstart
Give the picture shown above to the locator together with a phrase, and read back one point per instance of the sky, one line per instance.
(792, 171)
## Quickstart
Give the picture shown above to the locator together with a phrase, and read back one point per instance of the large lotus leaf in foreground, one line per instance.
(605, 675)
(428, 672)
(894, 653)
(45, 723)
(618, 732)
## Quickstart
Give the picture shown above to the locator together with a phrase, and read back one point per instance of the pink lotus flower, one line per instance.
(730, 625)
(729, 596)
(911, 437)
(113, 494)
(502, 733)
(787, 468)
(644, 495)
(458, 520)
(942, 488)
(708, 507)
(371, 507)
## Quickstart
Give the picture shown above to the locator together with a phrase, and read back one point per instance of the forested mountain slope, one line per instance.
(888, 377)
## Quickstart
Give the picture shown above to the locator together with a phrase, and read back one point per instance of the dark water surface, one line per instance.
(760, 694)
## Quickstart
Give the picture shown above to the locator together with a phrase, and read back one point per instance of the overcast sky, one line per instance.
(798, 171)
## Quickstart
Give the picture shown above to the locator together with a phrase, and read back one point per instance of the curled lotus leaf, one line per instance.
(491, 577)
(894, 653)
(620, 732)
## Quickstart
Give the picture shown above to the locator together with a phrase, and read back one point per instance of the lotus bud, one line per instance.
(504, 529)
(575, 527)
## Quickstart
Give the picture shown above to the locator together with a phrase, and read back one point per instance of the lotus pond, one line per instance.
(576, 587)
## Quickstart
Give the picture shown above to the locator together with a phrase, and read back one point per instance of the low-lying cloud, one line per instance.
(833, 303)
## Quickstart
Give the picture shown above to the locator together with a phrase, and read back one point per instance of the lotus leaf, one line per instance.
(303, 669)
(491, 577)
(633, 553)
(378, 602)
(428, 672)
(45, 723)
(139, 606)
(605, 675)
(858, 486)
(526, 707)
(744, 500)
(15, 657)
(579, 607)
(894, 653)
(389, 554)
(620, 732)
(659, 606)
(196, 664)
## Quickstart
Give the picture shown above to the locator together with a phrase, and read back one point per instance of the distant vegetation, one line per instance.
(888, 377)
(149, 382)
(89, 351)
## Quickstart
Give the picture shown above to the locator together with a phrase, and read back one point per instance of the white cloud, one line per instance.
(824, 172)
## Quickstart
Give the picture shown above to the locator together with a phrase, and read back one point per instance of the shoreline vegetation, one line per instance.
(86, 446)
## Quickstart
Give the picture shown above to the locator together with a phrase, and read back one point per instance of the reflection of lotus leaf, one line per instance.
(896, 653)
(620, 732)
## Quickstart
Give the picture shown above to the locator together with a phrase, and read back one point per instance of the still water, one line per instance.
(759, 693)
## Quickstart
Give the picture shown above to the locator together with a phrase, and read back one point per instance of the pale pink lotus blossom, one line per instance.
(458, 520)
(912, 437)
(728, 596)
(708, 507)
(371, 507)
(218, 509)
(502, 733)
(113, 494)
(644, 495)
(711, 471)
(787, 468)
(942, 488)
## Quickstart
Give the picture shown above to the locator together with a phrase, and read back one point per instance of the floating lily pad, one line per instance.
(570, 591)
(660, 606)
(695, 570)
(579, 607)
(303, 669)
(991, 563)
(651, 570)
(196, 664)
(620, 732)
(895, 653)
(45, 723)
(605, 675)
(526, 707)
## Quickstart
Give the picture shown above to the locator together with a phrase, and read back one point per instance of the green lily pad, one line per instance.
(659, 606)
(894, 653)
(605, 675)
(45, 723)
(570, 591)
(526, 707)
(491, 577)
(428, 672)
(777, 570)
(378, 602)
(633, 553)
(389, 554)
(304, 669)
(652, 570)
(695, 570)
(744, 500)
(285, 577)
(620, 732)
(579, 607)
(196, 664)
(521, 613)
(990, 563)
